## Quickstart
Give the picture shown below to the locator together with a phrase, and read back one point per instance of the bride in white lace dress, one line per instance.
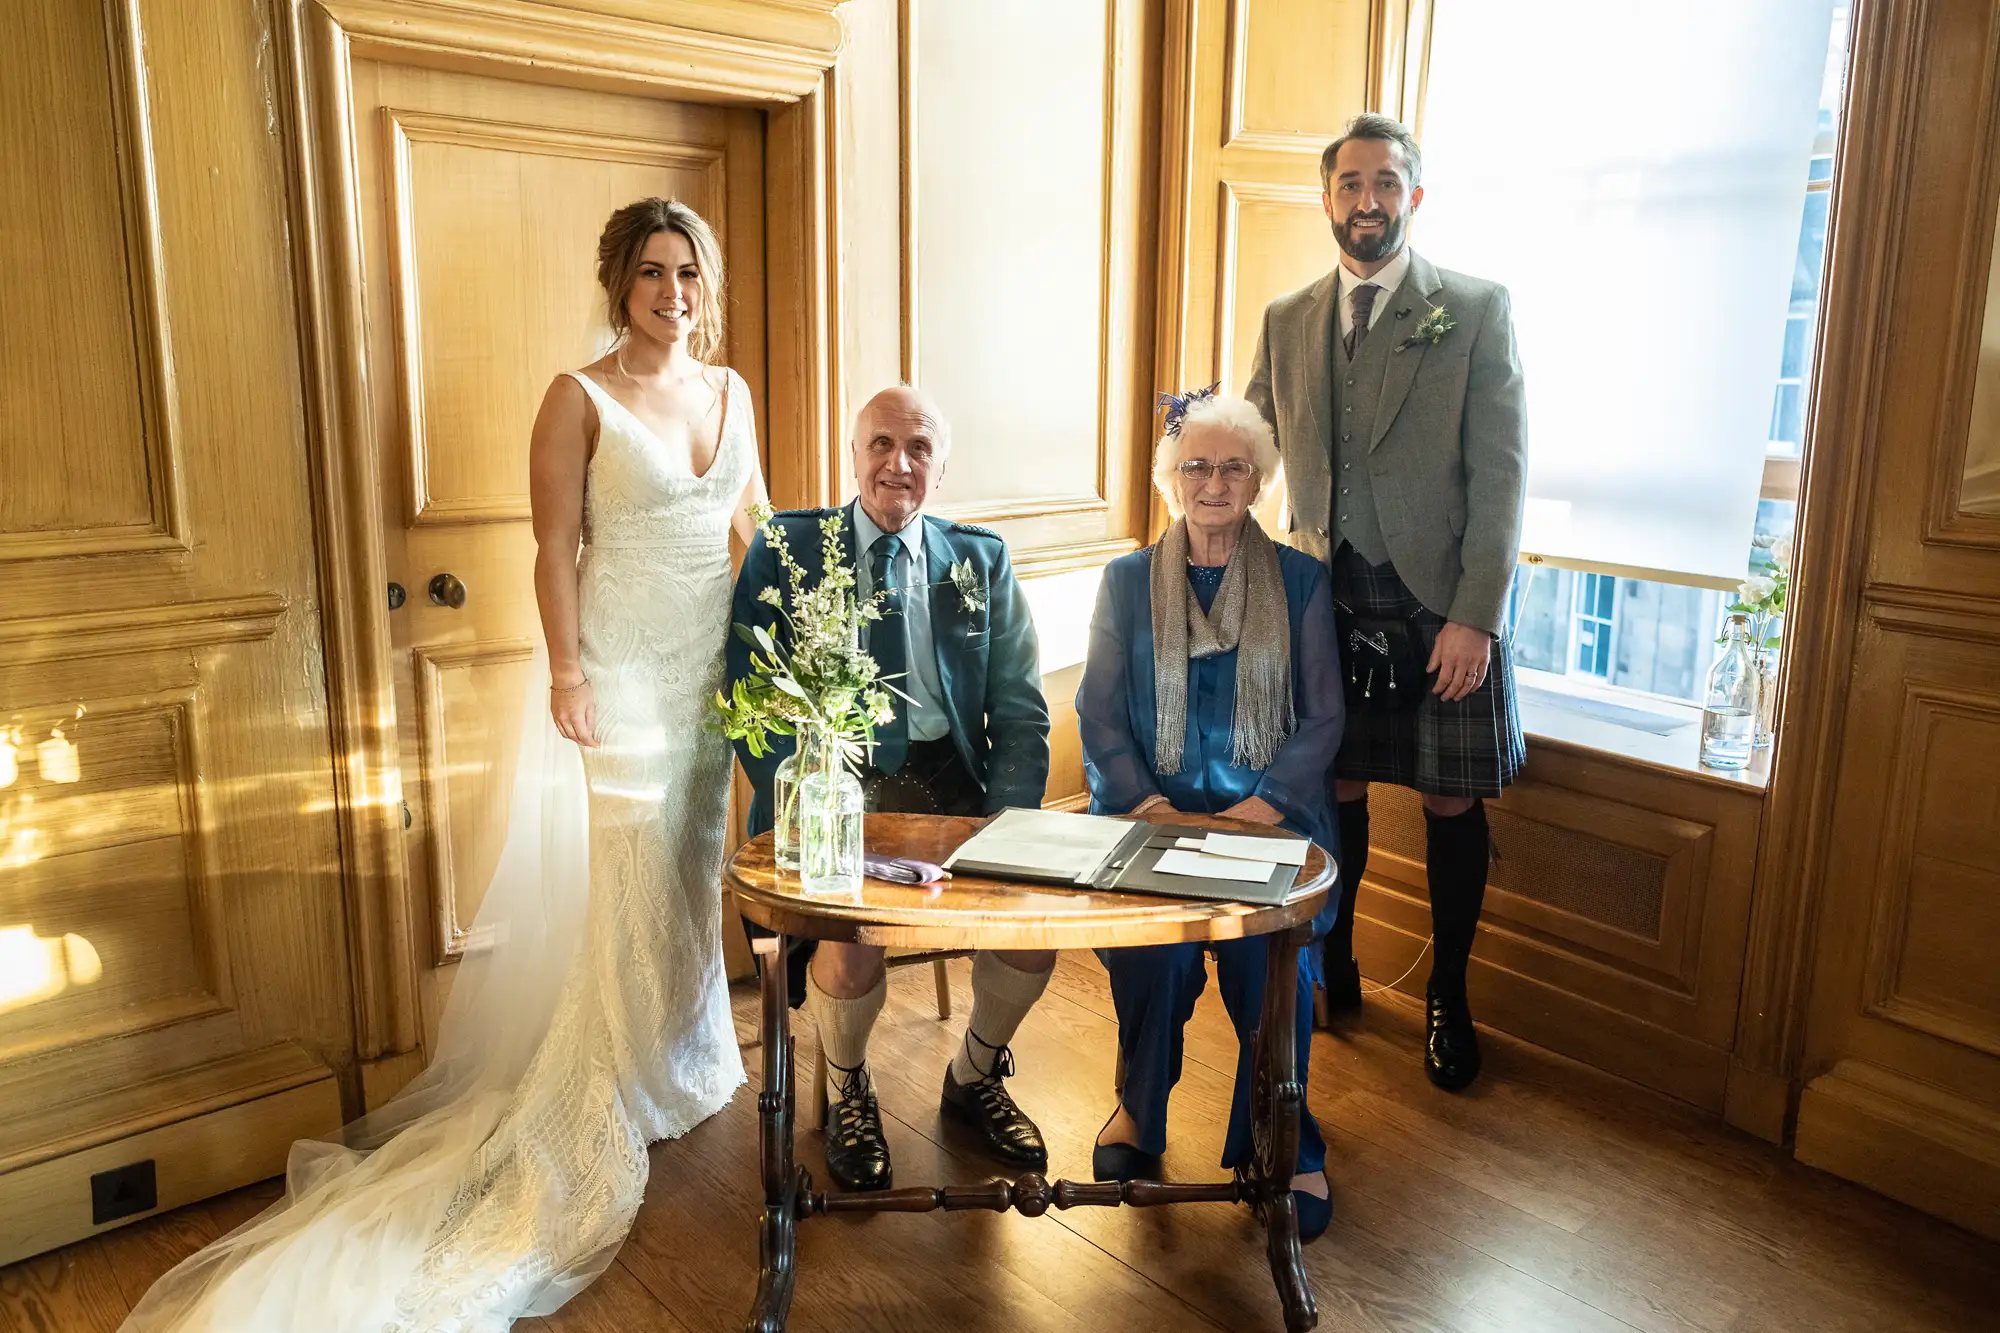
(591, 1015)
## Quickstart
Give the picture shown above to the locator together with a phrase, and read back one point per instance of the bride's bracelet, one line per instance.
(566, 689)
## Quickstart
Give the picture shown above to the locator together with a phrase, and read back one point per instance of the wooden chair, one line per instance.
(815, 1117)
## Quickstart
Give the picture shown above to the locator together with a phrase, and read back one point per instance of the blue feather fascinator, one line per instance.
(1177, 405)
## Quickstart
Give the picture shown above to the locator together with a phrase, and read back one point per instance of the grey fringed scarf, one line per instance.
(1248, 614)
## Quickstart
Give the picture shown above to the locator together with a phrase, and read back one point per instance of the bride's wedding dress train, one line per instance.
(591, 1014)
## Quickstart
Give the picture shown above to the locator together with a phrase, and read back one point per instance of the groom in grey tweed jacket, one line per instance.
(1396, 396)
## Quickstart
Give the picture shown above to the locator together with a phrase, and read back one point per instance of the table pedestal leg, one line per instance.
(1277, 1098)
(782, 1183)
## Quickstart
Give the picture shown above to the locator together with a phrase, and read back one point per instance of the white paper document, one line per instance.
(1050, 841)
(1285, 851)
(1200, 866)
(1189, 844)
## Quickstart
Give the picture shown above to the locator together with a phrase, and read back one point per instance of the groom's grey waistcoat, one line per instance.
(1437, 445)
(1357, 392)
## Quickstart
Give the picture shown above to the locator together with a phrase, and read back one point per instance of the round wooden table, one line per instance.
(974, 912)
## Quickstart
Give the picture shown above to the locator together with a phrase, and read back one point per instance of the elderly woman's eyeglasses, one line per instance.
(1199, 470)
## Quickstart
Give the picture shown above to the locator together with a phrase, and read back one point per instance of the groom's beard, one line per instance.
(1371, 246)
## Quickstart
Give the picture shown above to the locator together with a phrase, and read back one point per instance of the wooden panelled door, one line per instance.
(174, 1001)
(1898, 667)
(481, 204)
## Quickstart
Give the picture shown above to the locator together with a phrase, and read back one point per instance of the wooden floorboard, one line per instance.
(1548, 1198)
(71, 1290)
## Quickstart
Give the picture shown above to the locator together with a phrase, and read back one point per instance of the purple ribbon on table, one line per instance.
(903, 870)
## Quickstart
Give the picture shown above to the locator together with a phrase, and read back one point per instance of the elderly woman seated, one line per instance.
(1212, 687)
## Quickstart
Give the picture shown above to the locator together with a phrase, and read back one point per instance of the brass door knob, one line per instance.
(447, 590)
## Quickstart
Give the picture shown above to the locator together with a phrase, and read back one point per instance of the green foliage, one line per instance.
(822, 679)
(1430, 329)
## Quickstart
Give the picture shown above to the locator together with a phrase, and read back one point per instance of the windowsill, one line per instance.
(1573, 714)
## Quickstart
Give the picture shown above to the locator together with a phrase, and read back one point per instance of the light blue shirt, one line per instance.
(908, 569)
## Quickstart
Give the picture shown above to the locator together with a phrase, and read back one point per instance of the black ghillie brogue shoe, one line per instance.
(986, 1105)
(857, 1156)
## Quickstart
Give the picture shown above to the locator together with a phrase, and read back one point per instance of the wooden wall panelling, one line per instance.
(1267, 85)
(111, 861)
(466, 804)
(1399, 33)
(1614, 921)
(801, 421)
(1060, 472)
(171, 882)
(1956, 528)
(872, 215)
(1919, 540)
(1903, 1042)
(131, 958)
(1884, 859)
(229, 1125)
(367, 794)
(108, 480)
(1278, 94)
(752, 52)
(455, 485)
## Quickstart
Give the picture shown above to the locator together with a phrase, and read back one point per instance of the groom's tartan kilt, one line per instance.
(1470, 748)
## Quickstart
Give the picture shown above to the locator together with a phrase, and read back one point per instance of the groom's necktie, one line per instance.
(888, 644)
(1364, 306)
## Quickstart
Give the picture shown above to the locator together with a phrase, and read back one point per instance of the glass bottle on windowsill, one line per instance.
(1767, 697)
(1729, 710)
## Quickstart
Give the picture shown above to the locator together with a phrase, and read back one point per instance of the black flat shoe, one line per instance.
(1343, 984)
(857, 1156)
(1122, 1161)
(986, 1105)
(1314, 1213)
(1451, 1044)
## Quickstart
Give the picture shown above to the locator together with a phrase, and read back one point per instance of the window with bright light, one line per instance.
(1638, 176)
(1659, 635)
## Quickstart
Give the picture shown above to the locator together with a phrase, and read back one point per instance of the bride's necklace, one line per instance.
(618, 359)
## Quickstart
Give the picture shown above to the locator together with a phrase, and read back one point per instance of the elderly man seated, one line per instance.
(970, 737)
(1212, 687)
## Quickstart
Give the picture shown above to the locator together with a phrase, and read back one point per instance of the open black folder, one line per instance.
(1101, 852)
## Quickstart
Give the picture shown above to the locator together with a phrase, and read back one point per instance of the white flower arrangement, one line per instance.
(1761, 596)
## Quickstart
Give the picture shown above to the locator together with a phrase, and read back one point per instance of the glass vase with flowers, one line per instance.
(1761, 599)
(820, 687)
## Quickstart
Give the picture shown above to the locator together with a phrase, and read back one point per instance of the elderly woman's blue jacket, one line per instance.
(1115, 707)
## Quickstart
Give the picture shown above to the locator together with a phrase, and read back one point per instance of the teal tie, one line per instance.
(889, 646)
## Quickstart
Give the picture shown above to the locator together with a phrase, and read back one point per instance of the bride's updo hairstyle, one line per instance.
(624, 241)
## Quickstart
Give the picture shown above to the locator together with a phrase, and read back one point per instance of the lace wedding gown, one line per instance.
(591, 1014)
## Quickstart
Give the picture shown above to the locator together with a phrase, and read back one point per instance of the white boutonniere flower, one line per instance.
(1431, 328)
(971, 592)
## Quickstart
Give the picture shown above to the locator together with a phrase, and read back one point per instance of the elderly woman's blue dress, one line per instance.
(1154, 987)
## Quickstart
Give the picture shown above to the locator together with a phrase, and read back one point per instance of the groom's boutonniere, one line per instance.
(1431, 328)
(971, 592)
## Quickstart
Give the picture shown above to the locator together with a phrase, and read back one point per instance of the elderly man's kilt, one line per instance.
(1470, 748)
